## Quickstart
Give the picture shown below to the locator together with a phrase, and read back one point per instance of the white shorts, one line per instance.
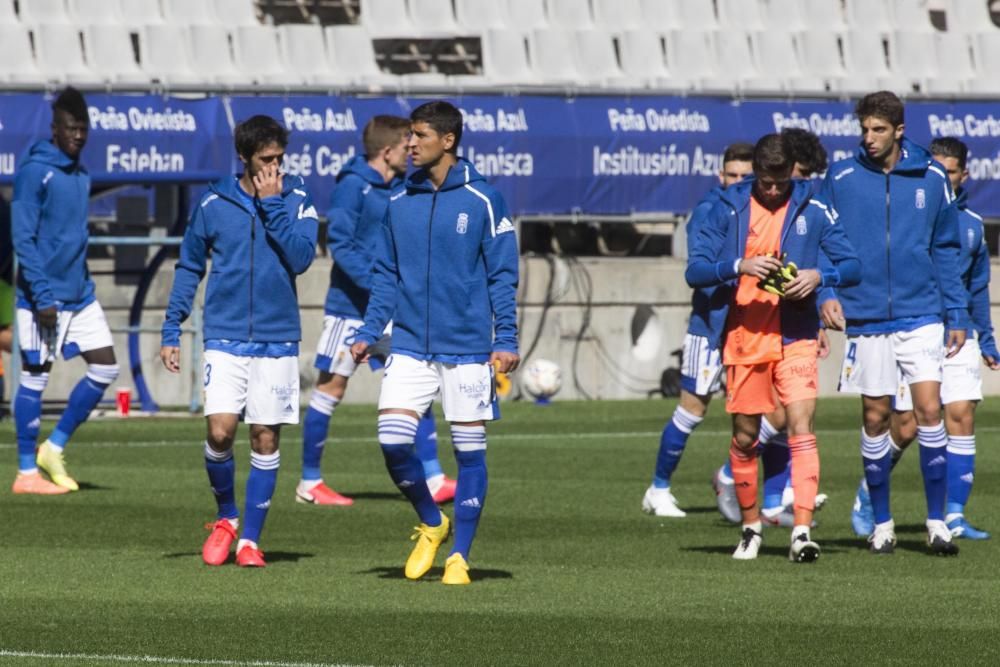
(962, 379)
(468, 391)
(75, 332)
(875, 365)
(333, 352)
(701, 366)
(265, 390)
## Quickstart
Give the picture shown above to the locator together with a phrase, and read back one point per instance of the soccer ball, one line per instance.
(541, 378)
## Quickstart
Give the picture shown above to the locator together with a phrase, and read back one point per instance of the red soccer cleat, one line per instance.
(321, 494)
(445, 492)
(250, 556)
(215, 551)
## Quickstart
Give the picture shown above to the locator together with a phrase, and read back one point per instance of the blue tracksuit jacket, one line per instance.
(708, 304)
(357, 208)
(49, 229)
(256, 253)
(446, 271)
(904, 226)
(975, 267)
(809, 226)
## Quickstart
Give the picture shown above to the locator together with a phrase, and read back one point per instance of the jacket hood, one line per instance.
(738, 196)
(460, 174)
(46, 152)
(913, 158)
(962, 199)
(358, 165)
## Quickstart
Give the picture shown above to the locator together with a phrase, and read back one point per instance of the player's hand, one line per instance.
(505, 362)
(267, 181)
(956, 339)
(991, 362)
(759, 267)
(359, 352)
(47, 318)
(802, 285)
(823, 344)
(171, 358)
(832, 314)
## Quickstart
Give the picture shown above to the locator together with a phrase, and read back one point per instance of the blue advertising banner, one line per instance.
(546, 154)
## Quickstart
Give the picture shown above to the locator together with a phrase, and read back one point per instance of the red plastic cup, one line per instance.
(124, 401)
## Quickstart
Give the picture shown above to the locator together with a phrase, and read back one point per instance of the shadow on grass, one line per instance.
(826, 547)
(435, 573)
(374, 495)
(269, 556)
(702, 510)
(87, 486)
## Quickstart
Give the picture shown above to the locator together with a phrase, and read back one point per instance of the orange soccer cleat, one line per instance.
(35, 484)
(215, 551)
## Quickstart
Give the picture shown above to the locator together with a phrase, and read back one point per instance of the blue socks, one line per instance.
(260, 489)
(934, 466)
(470, 493)
(775, 458)
(221, 470)
(314, 430)
(28, 418)
(427, 445)
(84, 398)
(961, 471)
(876, 456)
(672, 443)
(396, 433)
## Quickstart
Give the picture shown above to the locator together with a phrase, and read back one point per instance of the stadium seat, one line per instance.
(789, 15)
(691, 58)
(478, 17)
(821, 57)
(777, 56)
(109, 53)
(914, 15)
(432, 17)
(257, 54)
(212, 52)
(987, 52)
(527, 14)
(696, 15)
(236, 12)
(140, 13)
(659, 15)
(387, 18)
(93, 12)
(738, 69)
(7, 14)
(970, 16)
(190, 12)
(39, 12)
(304, 53)
(745, 15)
(864, 54)
(642, 57)
(869, 16)
(954, 62)
(17, 65)
(618, 15)
(59, 54)
(505, 58)
(596, 59)
(553, 56)
(914, 57)
(165, 54)
(570, 14)
(350, 53)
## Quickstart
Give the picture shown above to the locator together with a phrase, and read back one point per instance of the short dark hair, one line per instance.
(738, 152)
(805, 148)
(770, 155)
(883, 104)
(256, 133)
(382, 131)
(71, 101)
(443, 117)
(950, 147)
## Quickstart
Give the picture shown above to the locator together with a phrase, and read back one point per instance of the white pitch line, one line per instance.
(152, 659)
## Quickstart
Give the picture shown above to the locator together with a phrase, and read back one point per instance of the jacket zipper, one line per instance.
(888, 244)
(427, 320)
(253, 239)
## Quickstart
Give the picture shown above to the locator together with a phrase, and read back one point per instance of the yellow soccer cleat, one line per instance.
(428, 538)
(456, 571)
(51, 461)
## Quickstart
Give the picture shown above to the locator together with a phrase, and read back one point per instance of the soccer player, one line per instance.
(260, 229)
(898, 210)
(447, 277)
(961, 384)
(701, 365)
(770, 347)
(356, 211)
(57, 312)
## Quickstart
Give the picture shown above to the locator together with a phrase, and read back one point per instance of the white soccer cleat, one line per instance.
(660, 502)
(883, 539)
(749, 543)
(803, 549)
(725, 497)
(939, 539)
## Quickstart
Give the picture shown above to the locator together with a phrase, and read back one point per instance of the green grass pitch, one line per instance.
(566, 569)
